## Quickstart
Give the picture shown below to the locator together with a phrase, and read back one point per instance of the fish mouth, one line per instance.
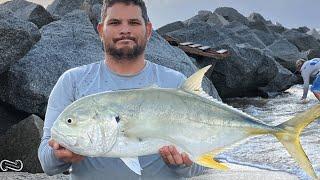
(65, 140)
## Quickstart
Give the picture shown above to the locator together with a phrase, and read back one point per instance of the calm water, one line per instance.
(265, 151)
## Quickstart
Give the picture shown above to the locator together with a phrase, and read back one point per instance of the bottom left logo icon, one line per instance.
(6, 165)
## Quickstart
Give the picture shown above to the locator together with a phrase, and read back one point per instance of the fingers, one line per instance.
(176, 155)
(78, 159)
(163, 155)
(64, 154)
(74, 159)
(54, 144)
(170, 155)
(186, 160)
(68, 156)
(167, 156)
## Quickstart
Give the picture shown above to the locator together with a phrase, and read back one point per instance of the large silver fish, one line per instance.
(130, 123)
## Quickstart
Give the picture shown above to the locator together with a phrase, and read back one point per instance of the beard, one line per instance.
(126, 53)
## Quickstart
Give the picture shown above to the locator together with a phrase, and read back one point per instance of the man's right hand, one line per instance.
(64, 154)
(304, 100)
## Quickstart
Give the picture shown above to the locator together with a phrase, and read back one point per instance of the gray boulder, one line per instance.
(257, 22)
(9, 116)
(200, 32)
(231, 15)
(216, 19)
(250, 72)
(65, 44)
(93, 11)
(216, 36)
(29, 11)
(314, 33)
(207, 17)
(256, 17)
(302, 29)
(286, 53)
(21, 142)
(236, 27)
(283, 80)
(241, 32)
(202, 16)
(313, 53)
(16, 38)
(253, 40)
(276, 28)
(159, 51)
(204, 13)
(63, 7)
(170, 27)
(259, 26)
(95, 15)
(266, 37)
(303, 41)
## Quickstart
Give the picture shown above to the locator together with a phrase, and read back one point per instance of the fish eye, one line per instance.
(70, 121)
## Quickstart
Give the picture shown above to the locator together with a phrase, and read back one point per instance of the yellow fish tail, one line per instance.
(290, 137)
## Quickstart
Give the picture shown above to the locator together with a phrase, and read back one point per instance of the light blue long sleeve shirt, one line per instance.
(94, 78)
(309, 69)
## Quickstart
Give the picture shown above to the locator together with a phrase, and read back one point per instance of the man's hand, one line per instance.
(304, 100)
(171, 156)
(64, 154)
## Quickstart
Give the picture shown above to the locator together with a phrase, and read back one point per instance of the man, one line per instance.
(124, 31)
(309, 69)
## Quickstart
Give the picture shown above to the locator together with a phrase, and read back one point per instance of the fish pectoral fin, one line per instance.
(207, 160)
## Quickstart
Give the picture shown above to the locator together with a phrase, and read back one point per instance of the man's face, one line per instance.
(124, 32)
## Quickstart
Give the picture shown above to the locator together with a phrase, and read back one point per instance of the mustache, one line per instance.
(124, 38)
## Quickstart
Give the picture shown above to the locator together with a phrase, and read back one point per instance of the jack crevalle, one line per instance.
(136, 122)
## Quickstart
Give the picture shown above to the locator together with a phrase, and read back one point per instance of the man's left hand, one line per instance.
(171, 156)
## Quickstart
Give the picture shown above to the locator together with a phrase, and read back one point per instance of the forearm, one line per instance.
(305, 91)
(60, 97)
(50, 164)
(188, 171)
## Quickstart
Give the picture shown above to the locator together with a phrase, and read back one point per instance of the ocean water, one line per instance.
(266, 152)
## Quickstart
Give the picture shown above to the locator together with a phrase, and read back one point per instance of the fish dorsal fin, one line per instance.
(193, 83)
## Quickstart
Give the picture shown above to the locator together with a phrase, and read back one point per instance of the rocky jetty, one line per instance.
(263, 54)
